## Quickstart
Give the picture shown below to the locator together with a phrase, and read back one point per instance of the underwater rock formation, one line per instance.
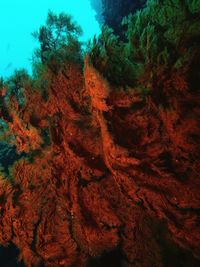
(113, 11)
(97, 6)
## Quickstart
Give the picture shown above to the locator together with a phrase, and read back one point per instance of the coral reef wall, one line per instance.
(117, 170)
(106, 167)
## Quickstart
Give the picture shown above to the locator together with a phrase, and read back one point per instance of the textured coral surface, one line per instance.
(120, 172)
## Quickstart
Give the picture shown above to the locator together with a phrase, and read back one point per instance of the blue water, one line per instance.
(19, 18)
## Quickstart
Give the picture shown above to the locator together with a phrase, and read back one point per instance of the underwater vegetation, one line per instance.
(102, 146)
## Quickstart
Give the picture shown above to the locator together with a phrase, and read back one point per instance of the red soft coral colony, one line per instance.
(119, 172)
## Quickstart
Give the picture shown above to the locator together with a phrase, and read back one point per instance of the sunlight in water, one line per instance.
(19, 18)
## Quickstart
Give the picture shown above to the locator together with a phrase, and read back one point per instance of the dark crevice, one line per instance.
(107, 259)
(8, 257)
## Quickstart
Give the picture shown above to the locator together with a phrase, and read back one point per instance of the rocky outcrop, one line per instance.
(97, 6)
(111, 12)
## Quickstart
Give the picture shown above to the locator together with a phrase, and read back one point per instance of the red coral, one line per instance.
(118, 168)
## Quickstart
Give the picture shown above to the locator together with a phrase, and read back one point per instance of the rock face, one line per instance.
(111, 12)
(120, 174)
(98, 7)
